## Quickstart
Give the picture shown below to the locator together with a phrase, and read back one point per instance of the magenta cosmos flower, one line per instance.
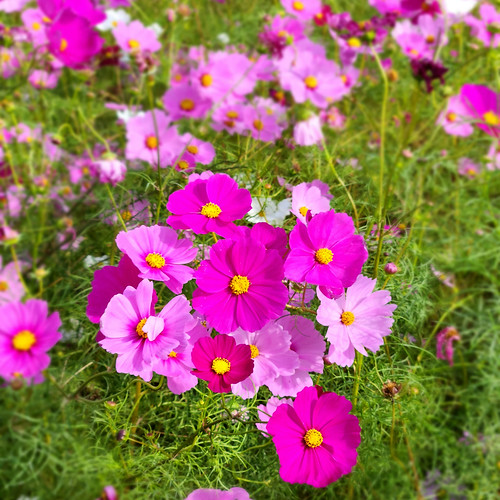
(209, 205)
(11, 288)
(131, 329)
(316, 439)
(73, 40)
(240, 286)
(221, 362)
(211, 494)
(483, 105)
(304, 9)
(456, 118)
(27, 332)
(184, 101)
(159, 255)
(326, 252)
(356, 321)
(445, 339)
(135, 37)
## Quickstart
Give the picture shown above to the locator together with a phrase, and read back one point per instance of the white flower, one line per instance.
(113, 18)
(267, 210)
(156, 28)
(223, 38)
(126, 114)
(458, 7)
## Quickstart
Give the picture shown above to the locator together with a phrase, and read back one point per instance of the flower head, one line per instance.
(11, 288)
(445, 339)
(135, 38)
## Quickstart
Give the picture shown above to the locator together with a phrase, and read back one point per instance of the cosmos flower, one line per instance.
(11, 288)
(221, 362)
(326, 252)
(468, 168)
(308, 132)
(27, 332)
(268, 210)
(240, 286)
(308, 199)
(358, 320)
(265, 412)
(483, 107)
(184, 101)
(159, 255)
(209, 205)
(481, 28)
(316, 438)
(213, 494)
(445, 339)
(304, 10)
(456, 119)
(135, 38)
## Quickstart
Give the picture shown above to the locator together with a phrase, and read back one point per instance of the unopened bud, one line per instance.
(391, 268)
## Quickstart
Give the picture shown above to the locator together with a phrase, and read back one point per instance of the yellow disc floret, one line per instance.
(172, 354)
(491, 118)
(354, 42)
(303, 211)
(206, 80)
(311, 82)
(323, 256)
(24, 340)
(211, 210)
(192, 149)
(239, 284)
(347, 318)
(151, 142)
(4, 286)
(187, 104)
(134, 45)
(258, 125)
(221, 366)
(126, 215)
(232, 114)
(139, 329)
(313, 438)
(63, 45)
(298, 6)
(254, 350)
(155, 260)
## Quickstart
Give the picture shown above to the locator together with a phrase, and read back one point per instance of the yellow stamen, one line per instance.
(311, 82)
(139, 329)
(155, 260)
(114, 24)
(239, 284)
(221, 366)
(282, 34)
(36, 26)
(430, 39)
(347, 318)
(451, 117)
(354, 42)
(4, 286)
(192, 149)
(126, 215)
(183, 164)
(254, 350)
(46, 19)
(323, 256)
(313, 438)
(172, 354)
(187, 104)
(303, 211)
(491, 118)
(258, 125)
(24, 340)
(151, 142)
(134, 45)
(232, 114)
(206, 80)
(298, 6)
(211, 210)
(64, 45)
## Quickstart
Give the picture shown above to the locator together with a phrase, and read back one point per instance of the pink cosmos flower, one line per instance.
(273, 238)
(265, 412)
(11, 288)
(27, 332)
(229, 117)
(468, 168)
(310, 346)
(72, 39)
(445, 339)
(221, 362)
(209, 205)
(134, 214)
(10, 6)
(135, 38)
(131, 329)
(159, 255)
(9, 62)
(308, 199)
(184, 101)
(271, 354)
(416, 8)
(151, 138)
(481, 28)
(308, 132)
(81, 8)
(202, 152)
(305, 10)
(456, 118)
(445, 278)
(111, 171)
(282, 32)
(326, 252)
(494, 157)
(35, 22)
(41, 79)
(261, 125)
(386, 6)
(483, 105)
(356, 321)
(108, 282)
(212, 494)
(240, 286)
(316, 439)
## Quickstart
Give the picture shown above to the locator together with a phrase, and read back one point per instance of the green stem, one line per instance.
(118, 214)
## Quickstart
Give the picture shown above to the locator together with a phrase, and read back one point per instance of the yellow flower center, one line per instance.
(232, 114)
(303, 211)
(414, 52)
(5, 57)
(323, 256)
(491, 118)
(239, 284)
(139, 329)
(151, 142)
(282, 34)
(313, 438)
(451, 117)
(172, 354)
(187, 104)
(36, 26)
(4, 286)
(114, 24)
(134, 45)
(344, 79)
(206, 80)
(192, 149)
(254, 350)
(311, 82)
(258, 125)
(221, 366)
(155, 260)
(470, 171)
(354, 42)
(347, 318)
(183, 164)
(126, 215)
(46, 19)
(298, 6)
(24, 340)
(211, 210)
(430, 39)
(64, 45)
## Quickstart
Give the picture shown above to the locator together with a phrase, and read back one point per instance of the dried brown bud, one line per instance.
(390, 389)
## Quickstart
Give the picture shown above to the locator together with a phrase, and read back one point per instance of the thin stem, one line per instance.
(118, 214)
(359, 366)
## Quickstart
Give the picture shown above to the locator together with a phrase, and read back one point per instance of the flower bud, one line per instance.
(391, 268)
